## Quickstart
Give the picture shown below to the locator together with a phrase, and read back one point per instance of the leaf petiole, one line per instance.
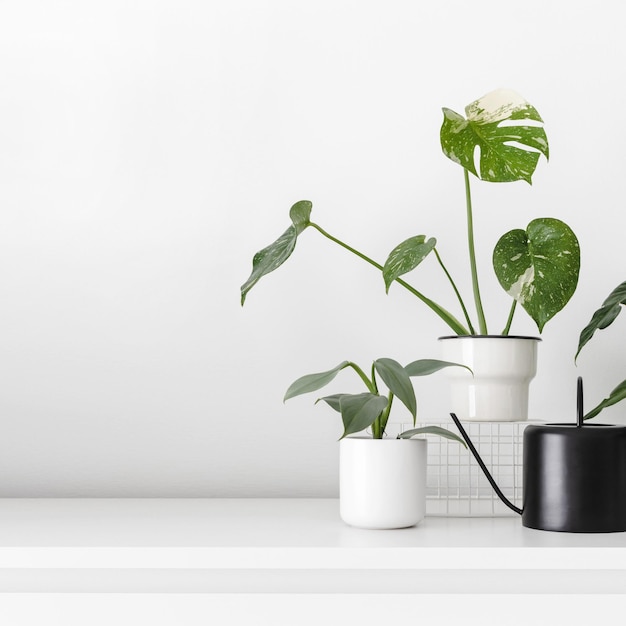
(446, 316)
(456, 291)
(472, 254)
(507, 328)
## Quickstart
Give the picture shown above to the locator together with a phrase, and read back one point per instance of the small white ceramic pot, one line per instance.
(382, 482)
(503, 367)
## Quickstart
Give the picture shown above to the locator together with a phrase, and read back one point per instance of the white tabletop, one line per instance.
(286, 545)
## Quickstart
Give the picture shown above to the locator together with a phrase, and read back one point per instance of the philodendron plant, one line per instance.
(601, 319)
(370, 410)
(537, 266)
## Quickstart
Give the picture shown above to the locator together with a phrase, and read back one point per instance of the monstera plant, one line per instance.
(537, 266)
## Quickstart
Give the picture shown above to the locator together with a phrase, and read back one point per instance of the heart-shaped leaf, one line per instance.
(604, 316)
(358, 411)
(398, 382)
(424, 367)
(539, 267)
(509, 147)
(313, 382)
(618, 394)
(431, 430)
(274, 255)
(406, 257)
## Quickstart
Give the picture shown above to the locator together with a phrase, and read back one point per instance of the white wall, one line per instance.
(149, 148)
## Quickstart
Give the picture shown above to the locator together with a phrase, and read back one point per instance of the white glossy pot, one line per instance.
(382, 482)
(503, 367)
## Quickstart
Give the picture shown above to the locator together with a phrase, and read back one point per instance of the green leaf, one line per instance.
(424, 367)
(274, 255)
(539, 267)
(406, 257)
(300, 214)
(269, 259)
(431, 430)
(358, 411)
(333, 401)
(313, 382)
(618, 394)
(508, 151)
(604, 316)
(398, 382)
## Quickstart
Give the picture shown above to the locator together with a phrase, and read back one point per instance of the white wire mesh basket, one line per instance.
(456, 485)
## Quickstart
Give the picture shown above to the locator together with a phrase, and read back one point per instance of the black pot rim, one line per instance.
(490, 337)
(586, 426)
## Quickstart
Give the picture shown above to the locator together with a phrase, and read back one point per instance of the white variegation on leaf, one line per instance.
(406, 257)
(538, 267)
(273, 256)
(496, 106)
(508, 152)
(507, 133)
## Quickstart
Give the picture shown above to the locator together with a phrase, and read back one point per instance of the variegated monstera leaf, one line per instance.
(505, 128)
(539, 267)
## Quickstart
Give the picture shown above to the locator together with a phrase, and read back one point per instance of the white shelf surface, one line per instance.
(286, 546)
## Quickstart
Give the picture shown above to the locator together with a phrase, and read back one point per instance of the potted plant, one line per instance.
(382, 480)
(537, 266)
(601, 319)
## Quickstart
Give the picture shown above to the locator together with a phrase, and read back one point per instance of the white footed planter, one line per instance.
(382, 482)
(503, 367)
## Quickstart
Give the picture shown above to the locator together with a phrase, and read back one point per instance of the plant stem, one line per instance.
(376, 434)
(377, 429)
(373, 379)
(456, 291)
(472, 254)
(507, 328)
(384, 416)
(371, 385)
(446, 316)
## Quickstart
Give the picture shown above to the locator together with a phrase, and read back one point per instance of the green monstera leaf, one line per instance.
(274, 255)
(539, 267)
(498, 125)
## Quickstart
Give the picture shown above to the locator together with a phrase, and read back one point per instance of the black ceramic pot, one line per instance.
(575, 478)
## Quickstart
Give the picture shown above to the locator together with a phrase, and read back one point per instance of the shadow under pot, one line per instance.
(503, 367)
